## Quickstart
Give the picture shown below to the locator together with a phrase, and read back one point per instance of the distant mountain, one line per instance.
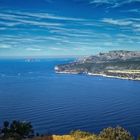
(119, 64)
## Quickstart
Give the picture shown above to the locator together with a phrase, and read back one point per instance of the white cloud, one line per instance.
(38, 15)
(100, 1)
(113, 3)
(128, 24)
(33, 49)
(57, 48)
(4, 46)
(75, 33)
(9, 24)
(51, 16)
(137, 25)
(22, 20)
(120, 22)
(132, 11)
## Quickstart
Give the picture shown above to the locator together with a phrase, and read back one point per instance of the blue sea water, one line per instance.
(59, 103)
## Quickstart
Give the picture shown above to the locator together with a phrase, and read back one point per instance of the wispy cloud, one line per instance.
(100, 1)
(131, 11)
(52, 16)
(21, 20)
(120, 22)
(4, 46)
(132, 24)
(33, 49)
(38, 15)
(57, 48)
(113, 3)
(42, 32)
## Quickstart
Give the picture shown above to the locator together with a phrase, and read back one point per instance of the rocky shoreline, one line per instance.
(116, 77)
(102, 75)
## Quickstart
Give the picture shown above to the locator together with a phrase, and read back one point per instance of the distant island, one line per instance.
(117, 64)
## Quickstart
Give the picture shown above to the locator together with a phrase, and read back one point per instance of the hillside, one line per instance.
(119, 64)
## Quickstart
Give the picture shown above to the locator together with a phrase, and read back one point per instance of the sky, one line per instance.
(41, 28)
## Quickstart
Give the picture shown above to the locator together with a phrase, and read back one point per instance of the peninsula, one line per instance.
(117, 64)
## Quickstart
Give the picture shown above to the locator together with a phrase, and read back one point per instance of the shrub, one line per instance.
(117, 133)
(78, 134)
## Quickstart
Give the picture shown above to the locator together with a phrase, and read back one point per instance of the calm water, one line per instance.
(59, 103)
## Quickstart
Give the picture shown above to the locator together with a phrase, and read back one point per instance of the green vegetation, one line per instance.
(80, 134)
(18, 130)
(117, 133)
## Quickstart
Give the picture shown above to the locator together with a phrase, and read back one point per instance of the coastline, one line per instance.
(65, 72)
(97, 74)
(116, 77)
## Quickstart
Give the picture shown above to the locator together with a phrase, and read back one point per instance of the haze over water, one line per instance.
(59, 103)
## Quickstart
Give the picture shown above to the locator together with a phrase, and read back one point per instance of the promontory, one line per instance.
(118, 64)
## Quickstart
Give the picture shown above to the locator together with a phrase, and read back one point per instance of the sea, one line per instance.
(30, 90)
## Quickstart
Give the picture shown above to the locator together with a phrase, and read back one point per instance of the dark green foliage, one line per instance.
(16, 130)
(117, 133)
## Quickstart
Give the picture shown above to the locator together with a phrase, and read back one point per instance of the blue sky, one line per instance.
(68, 27)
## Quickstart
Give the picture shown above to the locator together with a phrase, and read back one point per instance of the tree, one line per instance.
(16, 130)
(5, 129)
(23, 129)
